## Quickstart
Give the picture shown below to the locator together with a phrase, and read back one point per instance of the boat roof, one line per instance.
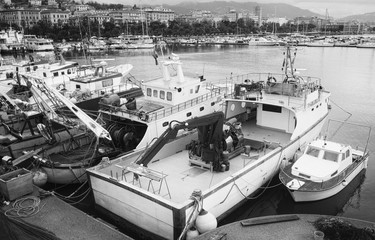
(328, 145)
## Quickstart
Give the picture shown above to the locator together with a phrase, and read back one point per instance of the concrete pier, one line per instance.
(68, 222)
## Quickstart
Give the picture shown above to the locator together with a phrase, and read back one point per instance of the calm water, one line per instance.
(349, 74)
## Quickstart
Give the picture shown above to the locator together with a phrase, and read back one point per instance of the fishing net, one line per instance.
(17, 229)
(338, 229)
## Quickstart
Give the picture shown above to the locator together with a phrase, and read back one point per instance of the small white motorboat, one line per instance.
(323, 170)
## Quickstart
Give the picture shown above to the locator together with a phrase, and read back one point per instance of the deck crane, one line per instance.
(57, 103)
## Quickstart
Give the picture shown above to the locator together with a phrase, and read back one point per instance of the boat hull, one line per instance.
(166, 219)
(308, 196)
(66, 174)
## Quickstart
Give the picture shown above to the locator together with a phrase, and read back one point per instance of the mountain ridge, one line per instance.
(222, 7)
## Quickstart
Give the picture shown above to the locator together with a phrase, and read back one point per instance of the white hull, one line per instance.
(306, 196)
(142, 208)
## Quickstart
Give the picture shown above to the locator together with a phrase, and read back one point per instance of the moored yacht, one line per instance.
(34, 44)
(212, 162)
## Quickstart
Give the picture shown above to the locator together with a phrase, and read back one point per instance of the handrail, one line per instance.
(158, 114)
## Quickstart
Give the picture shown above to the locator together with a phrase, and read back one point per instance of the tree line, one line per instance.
(78, 30)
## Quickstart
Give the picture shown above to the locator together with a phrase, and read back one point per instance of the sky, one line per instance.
(335, 8)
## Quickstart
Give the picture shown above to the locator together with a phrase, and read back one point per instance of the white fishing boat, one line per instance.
(11, 41)
(85, 85)
(323, 170)
(215, 161)
(134, 121)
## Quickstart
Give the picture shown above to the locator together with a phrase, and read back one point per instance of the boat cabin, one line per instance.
(173, 88)
(322, 160)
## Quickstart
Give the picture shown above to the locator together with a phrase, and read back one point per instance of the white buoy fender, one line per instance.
(192, 233)
(205, 221)
(39, 177)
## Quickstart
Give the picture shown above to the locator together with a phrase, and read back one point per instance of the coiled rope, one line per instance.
(24, 207)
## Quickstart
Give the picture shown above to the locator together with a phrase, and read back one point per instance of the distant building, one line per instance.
(127, 16)
(55, 16)
(20, 17)
(80, 7)
(200, 15)
(231, 16)
(35, 2)
(280, 21)
(52, 3)
(258, 13)
(159, 14)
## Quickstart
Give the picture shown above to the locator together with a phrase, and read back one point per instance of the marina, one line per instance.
(258, 60)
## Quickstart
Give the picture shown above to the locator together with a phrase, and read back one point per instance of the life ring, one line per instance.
(143, 116)
(271, 81)
(60, 87)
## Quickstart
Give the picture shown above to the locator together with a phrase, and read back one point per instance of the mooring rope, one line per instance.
(24, 207)
(342, 124)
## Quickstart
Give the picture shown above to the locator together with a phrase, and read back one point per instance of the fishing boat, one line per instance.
(19, 124)
(210, 164)
(65, 159)
(324, 169)
(11, 41)
(85, 85)
(134, 121)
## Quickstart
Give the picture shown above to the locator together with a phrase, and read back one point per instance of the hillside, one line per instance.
(221, 7)
(367, 17)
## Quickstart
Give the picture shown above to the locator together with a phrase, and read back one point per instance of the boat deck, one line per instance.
(176, 181)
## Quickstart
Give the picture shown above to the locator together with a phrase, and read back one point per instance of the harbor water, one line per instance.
(348, 73)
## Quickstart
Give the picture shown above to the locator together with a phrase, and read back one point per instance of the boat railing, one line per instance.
(214, 92)
(182, 106)
(295, 88)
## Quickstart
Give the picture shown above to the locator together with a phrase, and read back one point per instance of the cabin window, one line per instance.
(313, 151)
(44, 74)
(78, 86)
(213, 103)
(347, 153)
(148, 92)
(169, 96)
(55, 74)
(28, 69)
(155, 93)
(165, 124)
(107, 83)
(201, 108)
(162, 95)
(62, 73)
(188, 114)
(35, 68)
(331, 156)
(69, 71)
(197, 89)
(271, 108)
